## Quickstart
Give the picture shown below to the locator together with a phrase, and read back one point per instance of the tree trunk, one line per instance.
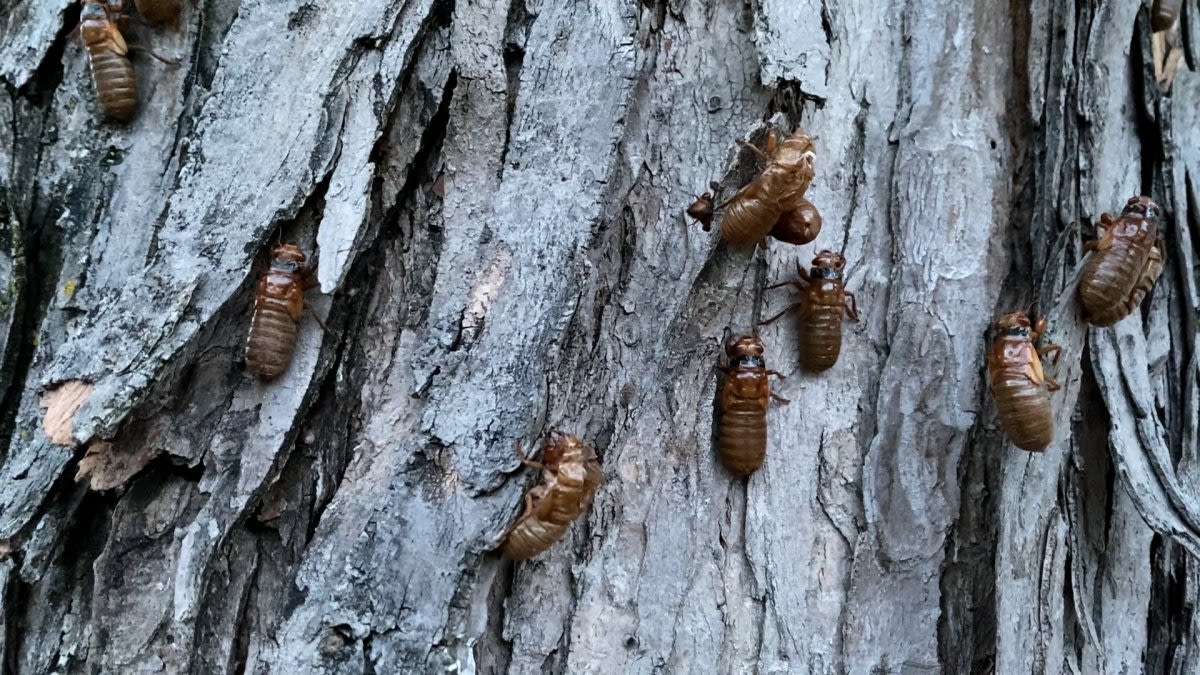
(496, 193)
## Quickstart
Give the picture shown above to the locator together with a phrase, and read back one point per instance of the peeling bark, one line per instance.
(496, 194)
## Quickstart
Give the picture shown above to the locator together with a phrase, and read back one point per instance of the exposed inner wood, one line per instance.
(60, 405)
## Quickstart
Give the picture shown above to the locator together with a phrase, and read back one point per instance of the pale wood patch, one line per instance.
(61, 403)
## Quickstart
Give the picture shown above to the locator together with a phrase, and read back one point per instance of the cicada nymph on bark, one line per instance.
(753, 211)
(773, 204)
(112, 73)
(278, 309)
(1018, 383)
(1126, 261)
(100, 25)
(570, 476)
(742, 406)
(1164, 13)
(823, 303)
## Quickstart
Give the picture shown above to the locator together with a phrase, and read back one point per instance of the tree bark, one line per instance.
(496, 193)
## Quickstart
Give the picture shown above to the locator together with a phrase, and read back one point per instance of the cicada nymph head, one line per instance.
(702, 210)
(745, 346)
(828, 265)
(1141, 206)
(1013, 323)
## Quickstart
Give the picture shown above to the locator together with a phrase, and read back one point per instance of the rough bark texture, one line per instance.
(496, 192)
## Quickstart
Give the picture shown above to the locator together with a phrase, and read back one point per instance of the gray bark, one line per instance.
(496, 192)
